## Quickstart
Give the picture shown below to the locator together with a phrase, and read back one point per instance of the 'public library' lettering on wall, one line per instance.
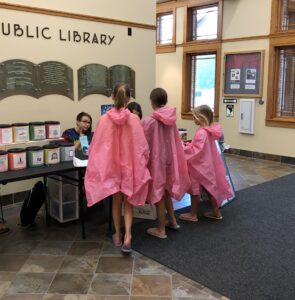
(63, 35)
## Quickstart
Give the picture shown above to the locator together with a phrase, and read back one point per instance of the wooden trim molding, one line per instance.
(51, 12)
(246, 38)
(165, 48)
(181, 3)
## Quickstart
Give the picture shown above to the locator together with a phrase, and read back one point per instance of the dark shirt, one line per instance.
(71, 135)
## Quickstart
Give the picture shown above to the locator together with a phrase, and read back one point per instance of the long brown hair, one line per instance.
(204, 114)
(121, 95)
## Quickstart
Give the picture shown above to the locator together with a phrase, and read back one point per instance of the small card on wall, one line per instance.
(229, 110)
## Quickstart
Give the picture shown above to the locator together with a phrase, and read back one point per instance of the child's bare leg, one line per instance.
(116, 212)
(215, 214)
(128, 217)
(161, 212)
(193, 214)
(215, 207)
(170, 210)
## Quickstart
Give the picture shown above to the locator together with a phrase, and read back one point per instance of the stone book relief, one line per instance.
(21, 77)
(98, 79)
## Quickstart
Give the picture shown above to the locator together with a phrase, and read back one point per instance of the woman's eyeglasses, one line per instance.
(85, 122)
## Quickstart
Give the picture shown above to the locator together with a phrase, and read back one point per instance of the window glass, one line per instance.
(205, 23)
(288, 15)
(286, 87)
(164, 29)
(203, 80)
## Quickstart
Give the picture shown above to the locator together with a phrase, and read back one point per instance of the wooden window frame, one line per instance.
(188, 50)
(188, 19)
(278, 38)
(273, 80)
(166, 48)
(276, 19)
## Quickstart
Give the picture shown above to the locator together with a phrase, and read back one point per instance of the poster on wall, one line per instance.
(243, 73)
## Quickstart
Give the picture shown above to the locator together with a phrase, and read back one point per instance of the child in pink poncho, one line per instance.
(118, 157)
(205, 165)
(167, 163)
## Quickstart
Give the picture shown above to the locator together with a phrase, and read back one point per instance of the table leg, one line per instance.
(46, 200)
(81, 202)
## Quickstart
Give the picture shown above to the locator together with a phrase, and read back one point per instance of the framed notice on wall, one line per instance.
(243, 74)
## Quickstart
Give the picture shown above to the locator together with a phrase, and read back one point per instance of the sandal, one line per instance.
(116, 243)
(210, 215)
(186, 217)
(126, 249)
(4, 230)
(171, 226)
(155, 232)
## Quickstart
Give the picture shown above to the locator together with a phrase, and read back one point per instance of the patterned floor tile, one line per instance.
(111, 284)
(30, 283)
(12, 263)
(151, 285)
(42, 263)
(70, 284)
(78, 264)
(115, 265)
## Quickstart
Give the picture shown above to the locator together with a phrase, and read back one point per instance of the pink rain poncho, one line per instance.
(205, 164)
(167, 162)
(118, 157)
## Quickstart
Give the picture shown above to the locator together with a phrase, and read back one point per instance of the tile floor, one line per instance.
(53, 262)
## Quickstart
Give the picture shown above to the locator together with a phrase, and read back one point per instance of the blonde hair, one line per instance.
(121, 95)
(204, 114)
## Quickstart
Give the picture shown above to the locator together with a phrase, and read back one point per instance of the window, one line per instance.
(204, 23)
(165, 39)
(201, 56)
(280, 111)
(165, 28)
(288, 15)
(203, 79)
(286, 86)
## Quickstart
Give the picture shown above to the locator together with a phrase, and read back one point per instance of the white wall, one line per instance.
(140, 11)
(241, 18)
(136, 51)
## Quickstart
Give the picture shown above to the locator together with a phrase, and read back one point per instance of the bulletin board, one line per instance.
(243, 74)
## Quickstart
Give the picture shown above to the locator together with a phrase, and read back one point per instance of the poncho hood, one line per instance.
(214, 130)
(166, 115)
(118, 116)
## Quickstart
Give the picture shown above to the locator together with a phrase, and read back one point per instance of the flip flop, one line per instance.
(210, 216)
(4, 230)
(126, 249)
(170, 226)
(155, 232)
(116, 244)
(187, 219)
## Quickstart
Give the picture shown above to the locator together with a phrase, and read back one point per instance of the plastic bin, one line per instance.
(63, 199)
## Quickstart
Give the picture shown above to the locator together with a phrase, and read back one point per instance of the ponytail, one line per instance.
(121, 95)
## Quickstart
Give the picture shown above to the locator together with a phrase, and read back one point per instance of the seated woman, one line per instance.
(83, 128)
